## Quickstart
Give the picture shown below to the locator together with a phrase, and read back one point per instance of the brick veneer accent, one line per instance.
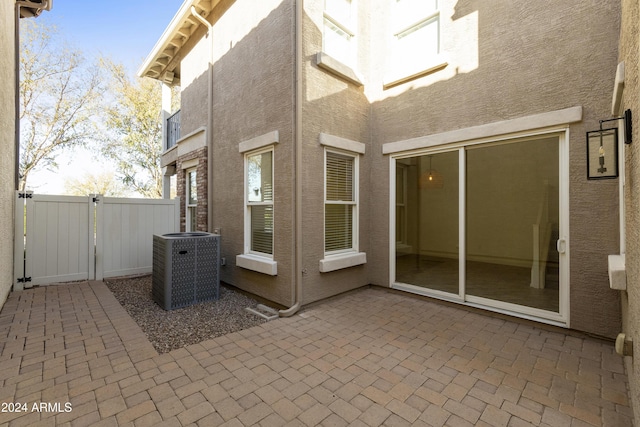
(201, 180)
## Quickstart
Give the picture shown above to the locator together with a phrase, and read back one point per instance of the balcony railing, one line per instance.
(173, 130)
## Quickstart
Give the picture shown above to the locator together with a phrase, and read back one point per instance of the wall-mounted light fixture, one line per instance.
(602, 148)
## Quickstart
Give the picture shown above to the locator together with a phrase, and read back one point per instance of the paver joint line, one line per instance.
(368, 357)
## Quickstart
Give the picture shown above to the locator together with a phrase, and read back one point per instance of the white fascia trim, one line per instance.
(257, 263)
(168, 33)
(338, 262)
(259, 142)
(521, 124)
(342, 143)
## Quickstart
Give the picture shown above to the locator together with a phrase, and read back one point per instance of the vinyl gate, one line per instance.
(68, 238)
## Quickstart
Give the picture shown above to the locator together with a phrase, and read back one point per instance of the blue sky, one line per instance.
(125, 31)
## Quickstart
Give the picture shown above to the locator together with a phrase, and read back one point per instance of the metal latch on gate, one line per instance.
(25, 195)
(24, 279)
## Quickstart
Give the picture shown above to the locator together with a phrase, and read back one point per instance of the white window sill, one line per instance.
(412, 73)
(337, 68)
(338, 262)
(257, 263)
(617, 272)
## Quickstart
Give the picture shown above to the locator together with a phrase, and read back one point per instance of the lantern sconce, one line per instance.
(602, 148)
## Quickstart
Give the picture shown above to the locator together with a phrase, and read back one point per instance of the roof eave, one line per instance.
(182, 26)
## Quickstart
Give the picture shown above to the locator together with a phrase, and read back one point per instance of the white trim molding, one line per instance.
(505, 127)
(342, 143)
(618, 88)
(328, 63)
(414, 73)
(617, 272)
(190, 164)
(338, 262)
(259, 142)
(192, 142)
(257, 263)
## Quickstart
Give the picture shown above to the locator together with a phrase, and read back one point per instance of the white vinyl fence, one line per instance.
(68, 238)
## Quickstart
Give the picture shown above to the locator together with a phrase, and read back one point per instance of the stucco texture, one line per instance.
(629, 54)
(7, 146)
(518, 74)
(333, 106)
(253, 94)
(502, 61)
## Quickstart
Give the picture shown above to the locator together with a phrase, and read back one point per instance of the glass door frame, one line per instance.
(561, 318)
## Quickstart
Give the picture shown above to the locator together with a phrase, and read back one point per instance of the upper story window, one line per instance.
(339, 32)
(415, 41)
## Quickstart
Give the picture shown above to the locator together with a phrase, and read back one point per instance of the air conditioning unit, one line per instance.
(186, 269)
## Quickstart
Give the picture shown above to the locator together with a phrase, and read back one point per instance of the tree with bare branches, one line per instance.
(134, 130)
(104, 183)
(59, 90)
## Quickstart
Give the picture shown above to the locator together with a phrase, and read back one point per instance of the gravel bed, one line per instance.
(169, 330)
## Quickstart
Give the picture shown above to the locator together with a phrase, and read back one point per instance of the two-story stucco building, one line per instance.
(434, 147)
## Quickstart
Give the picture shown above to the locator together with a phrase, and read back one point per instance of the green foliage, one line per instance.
(134, 124)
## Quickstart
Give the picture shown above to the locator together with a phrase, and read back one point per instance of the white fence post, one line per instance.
(96, 237)
(28, 259)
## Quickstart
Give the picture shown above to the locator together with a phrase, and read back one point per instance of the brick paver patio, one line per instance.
(370, 357)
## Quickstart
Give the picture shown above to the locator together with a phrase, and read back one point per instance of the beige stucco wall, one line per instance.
(7, 146)
(194, 87)
(499, 67)
(516, 74)
(253, 94)
(333, 106)
(629, 53)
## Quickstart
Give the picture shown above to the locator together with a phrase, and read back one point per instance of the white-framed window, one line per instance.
(191, 214)
(415, 41)
(259, 224)
(340, 203)
(339, 30)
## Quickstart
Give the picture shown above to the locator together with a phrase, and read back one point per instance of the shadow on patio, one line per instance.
(368, 357)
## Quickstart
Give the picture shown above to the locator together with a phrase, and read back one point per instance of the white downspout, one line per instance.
(164, 114)
(209, 122)
(298, 166)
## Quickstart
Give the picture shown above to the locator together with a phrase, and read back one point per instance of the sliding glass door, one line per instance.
(430, 257)
(482, 224)
(512, 218)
